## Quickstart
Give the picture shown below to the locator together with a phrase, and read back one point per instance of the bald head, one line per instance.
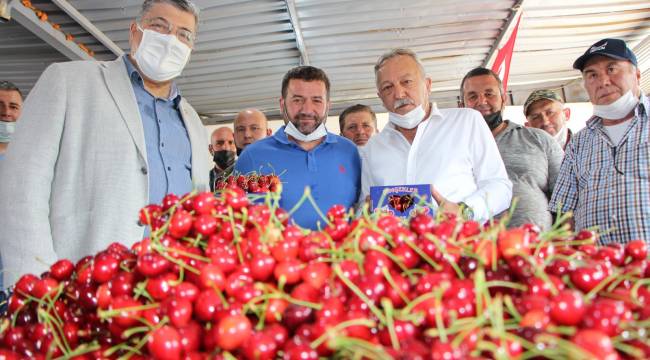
(250, 125)
(222, 139)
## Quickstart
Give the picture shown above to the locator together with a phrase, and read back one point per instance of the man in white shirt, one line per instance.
(451, 149)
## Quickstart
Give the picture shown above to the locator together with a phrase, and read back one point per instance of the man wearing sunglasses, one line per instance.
(112, 137)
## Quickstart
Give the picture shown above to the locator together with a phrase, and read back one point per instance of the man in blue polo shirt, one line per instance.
(303, 153)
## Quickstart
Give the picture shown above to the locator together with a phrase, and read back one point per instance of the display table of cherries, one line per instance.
(224, 277)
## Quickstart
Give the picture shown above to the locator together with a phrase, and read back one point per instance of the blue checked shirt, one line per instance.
(605, 185)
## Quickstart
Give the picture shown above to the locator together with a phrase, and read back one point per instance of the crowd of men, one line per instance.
(125, 136)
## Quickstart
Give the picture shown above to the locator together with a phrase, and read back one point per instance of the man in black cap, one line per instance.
(605, 175)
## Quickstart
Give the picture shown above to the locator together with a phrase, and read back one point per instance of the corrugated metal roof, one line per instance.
(245, 47)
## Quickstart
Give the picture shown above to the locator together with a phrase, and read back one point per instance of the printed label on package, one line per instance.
(401, 200)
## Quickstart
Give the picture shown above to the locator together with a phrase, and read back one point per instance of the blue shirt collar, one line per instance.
(281, 136)
(135, 76)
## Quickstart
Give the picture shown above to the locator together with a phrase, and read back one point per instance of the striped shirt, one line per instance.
(607, 185)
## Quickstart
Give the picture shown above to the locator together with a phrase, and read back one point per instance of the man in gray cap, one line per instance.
(544, 109)
(605, 175)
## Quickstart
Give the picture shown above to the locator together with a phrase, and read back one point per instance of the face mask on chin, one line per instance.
(224, 158)
(619, 109)
(409, 120)
(7, 129)
(161, 57)
(493, 120)
(291, 129)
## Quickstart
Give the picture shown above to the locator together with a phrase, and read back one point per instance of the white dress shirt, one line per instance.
(454, 150)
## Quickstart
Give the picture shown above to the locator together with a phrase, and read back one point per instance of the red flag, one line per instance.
(501, 64)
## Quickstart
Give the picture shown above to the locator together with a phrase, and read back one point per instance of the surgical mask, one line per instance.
(224, 158)
(7, 129)
(319, 132)
(619, 109)
(409, 120)
(493, 120)
(161, 57)
(561, 136)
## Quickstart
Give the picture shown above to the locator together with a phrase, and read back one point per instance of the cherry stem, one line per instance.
(446, 256)
(360, 294)
(338, 328)
(105, 314)
(423, 255)
(390, 324)
(392, 283)
(350, 344)
(395, 259)
(600, 286)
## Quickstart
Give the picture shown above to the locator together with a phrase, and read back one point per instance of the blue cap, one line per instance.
(613, 48)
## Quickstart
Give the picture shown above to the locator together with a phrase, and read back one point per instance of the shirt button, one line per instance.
(169, 168)
(162, 144)
(144, 170)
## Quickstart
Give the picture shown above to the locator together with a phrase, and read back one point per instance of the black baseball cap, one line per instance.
(613, 48)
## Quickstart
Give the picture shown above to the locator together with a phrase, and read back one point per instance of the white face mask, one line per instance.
(318, 133)
(409, 120)
(561, 136)
(7, 129)
(161, 57)
(619, 109)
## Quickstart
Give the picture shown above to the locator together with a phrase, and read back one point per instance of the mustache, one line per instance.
(405, 101)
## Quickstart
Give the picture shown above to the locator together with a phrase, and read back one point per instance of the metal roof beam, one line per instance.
(89, 26)
(27, 18)
(300, 41)
(516, 11)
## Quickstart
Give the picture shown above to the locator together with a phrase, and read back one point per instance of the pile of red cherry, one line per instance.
(252, 183)
(224, 278)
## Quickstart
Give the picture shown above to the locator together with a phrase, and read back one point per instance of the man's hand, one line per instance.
(444, 205)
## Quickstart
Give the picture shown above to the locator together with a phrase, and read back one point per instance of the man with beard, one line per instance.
(222, 148)
(304, 154)
(544, 109)
(451, 149)
(605, 175)
(531, 156)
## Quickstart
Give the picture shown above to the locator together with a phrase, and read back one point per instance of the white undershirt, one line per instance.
(454, 150)
(616, 132)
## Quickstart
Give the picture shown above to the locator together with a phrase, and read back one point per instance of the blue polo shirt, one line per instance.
(169, 152)
(332, 171)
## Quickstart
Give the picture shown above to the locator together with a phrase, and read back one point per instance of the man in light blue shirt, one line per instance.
(169, 152)
(304, 154)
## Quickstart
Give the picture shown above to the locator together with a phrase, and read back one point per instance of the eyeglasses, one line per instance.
(163, 26)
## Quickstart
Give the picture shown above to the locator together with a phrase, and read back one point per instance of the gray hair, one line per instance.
(9, 86)
(399, 52)
(184, 5)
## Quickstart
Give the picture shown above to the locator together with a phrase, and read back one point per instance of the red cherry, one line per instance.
(180, 224)
(178, 310)
(105, 266)
(513, 242)
(211, 276)
(165, 343)
(567, 308)
(233, 331)
(45, 287)
(152, 264)
(596, 343)
(637, 249)
(62, 269)
(169, 201)
(204, 203)
(149, 213)
(205, 225)
(262, 266)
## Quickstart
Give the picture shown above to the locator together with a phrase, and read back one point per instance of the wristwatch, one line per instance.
(466, 211)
